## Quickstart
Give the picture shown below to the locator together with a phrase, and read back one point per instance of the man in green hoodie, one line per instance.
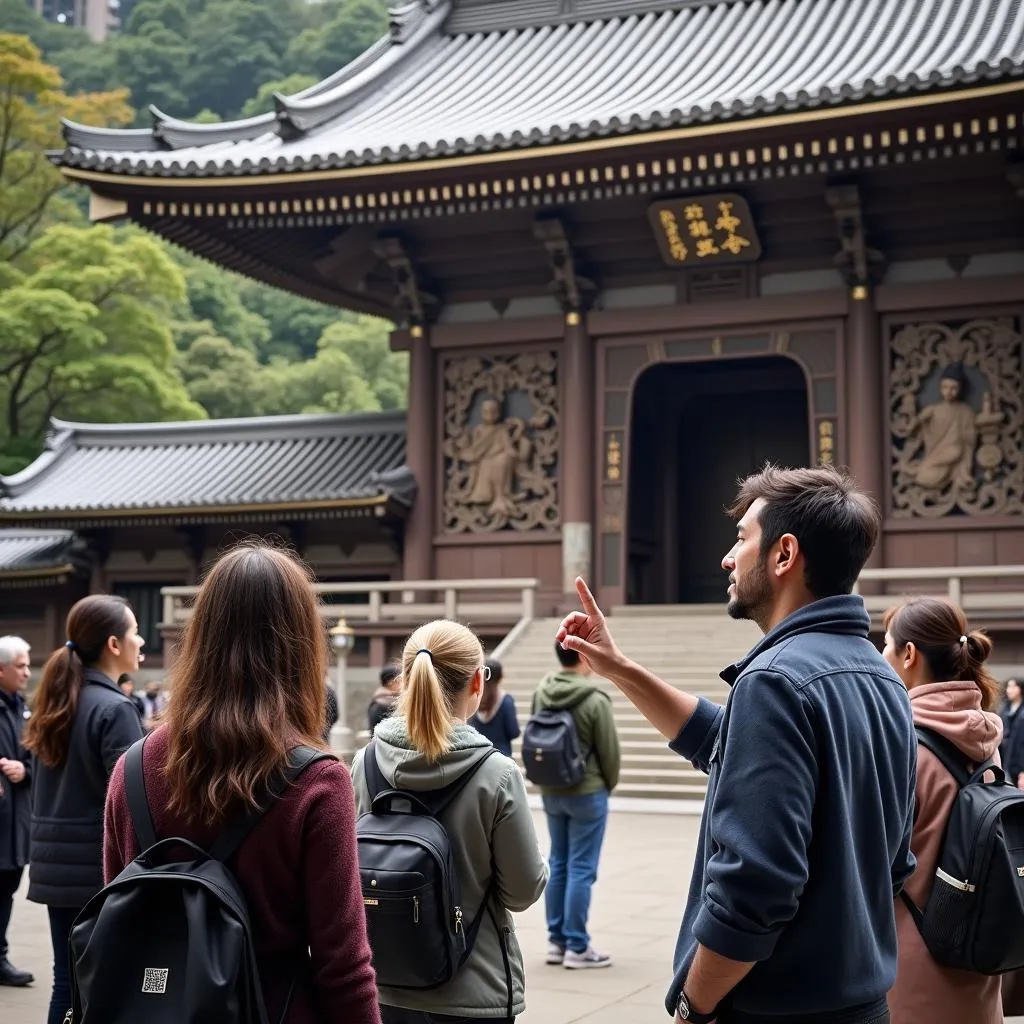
(577, 816)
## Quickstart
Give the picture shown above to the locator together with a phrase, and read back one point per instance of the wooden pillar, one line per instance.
(578, 431)
(867, 443)
(420, 446)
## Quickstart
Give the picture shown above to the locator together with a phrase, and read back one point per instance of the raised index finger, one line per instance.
(587, 598)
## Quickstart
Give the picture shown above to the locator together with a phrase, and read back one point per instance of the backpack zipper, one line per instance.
(415, 910)
(964, 886)
(458, 920)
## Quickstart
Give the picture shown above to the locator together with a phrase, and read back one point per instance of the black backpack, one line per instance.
(551, 749)
(974, 917)
(410, 889)
(168, 941)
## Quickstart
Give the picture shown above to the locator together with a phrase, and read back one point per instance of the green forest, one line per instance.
(109, 324)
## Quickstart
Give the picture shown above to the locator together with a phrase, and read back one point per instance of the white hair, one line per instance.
(11, 647)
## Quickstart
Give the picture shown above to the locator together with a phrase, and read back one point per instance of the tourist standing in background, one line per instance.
(1011, 750)
(496, 717)
(81, 724)
(248, 687)
(15, 792)
(942, 663)
(382, 703)
(578, 815)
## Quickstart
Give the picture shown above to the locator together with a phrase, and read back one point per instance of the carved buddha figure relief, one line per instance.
(493, 450)
(957, 427)
(501, 443)
(947, 431)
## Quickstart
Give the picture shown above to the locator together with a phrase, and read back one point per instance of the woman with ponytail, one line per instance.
(426, 745)
(941, 660)
(81, 724)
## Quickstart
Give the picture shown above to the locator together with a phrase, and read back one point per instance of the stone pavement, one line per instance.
(638, 899)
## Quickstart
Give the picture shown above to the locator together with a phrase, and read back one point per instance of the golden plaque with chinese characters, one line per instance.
(700, 230)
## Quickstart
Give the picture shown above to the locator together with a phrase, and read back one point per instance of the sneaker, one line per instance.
(556, 954)
(588, 959)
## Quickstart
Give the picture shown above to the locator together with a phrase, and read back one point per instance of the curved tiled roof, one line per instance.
(36, 552)
(211, 464)
(428, 90)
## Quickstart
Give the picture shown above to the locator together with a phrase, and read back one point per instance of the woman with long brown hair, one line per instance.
(81, 724)
(248, 687)
(941, 660)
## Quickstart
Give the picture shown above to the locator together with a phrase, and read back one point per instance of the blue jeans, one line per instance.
(576, 825)
(61, 920)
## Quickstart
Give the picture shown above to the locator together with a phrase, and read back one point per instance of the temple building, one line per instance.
(634, 248)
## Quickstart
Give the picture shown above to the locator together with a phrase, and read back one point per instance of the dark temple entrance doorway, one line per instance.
(696, 428)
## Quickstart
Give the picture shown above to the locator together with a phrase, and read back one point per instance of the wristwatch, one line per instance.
(691, 1016)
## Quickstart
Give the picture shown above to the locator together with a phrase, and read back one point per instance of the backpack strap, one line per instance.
(948, 754)
(135, 791)
(438, 800)
(299, 759)
(375, 781)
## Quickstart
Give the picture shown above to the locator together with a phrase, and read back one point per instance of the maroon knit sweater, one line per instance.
(300, 876)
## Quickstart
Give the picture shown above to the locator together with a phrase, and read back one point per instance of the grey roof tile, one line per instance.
(24, 552)
(428, 90)
(274, 460)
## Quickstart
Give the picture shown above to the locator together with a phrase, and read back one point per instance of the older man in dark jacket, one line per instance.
(15, 792)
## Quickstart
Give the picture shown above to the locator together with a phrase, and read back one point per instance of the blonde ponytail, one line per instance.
(426, 709)
(438, 663)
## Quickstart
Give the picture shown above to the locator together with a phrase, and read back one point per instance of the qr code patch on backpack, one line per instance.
(154, 981)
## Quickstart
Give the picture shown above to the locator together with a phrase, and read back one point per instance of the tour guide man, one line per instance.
(805, 836)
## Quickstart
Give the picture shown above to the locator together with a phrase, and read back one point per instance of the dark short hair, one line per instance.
(388, 674)
(836, 524)
(125, 678)
(496, 670)
(568, 657)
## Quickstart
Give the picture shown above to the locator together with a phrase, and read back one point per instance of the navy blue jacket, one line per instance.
(66, 864)
(15, 797)
(805, 836)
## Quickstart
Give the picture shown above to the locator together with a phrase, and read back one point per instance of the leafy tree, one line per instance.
(295, 323)
(31, 105)
(263, 101)
(365, 342)
(331, 383)
(353, 28)
(83, 333)
(225, 380)
(213, 295)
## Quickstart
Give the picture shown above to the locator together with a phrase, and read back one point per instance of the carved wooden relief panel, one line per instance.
(501, 437)
(957, 415)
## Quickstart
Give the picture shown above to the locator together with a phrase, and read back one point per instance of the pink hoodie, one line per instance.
(926, 993)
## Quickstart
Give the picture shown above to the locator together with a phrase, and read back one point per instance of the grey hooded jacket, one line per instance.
(491, 830)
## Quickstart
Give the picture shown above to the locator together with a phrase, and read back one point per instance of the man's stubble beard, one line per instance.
(753, 596)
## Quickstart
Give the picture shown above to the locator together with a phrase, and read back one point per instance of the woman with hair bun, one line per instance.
(81, 724)
(426, 745)
(942, 663)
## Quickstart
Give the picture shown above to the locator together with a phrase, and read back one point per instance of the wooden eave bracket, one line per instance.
(860, 265)
(573, 291)
(418, 305)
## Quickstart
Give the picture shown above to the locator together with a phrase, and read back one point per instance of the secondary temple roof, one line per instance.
(25, 554)
(263, 463)
(483, 76)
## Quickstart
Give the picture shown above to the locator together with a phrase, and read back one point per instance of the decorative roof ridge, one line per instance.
(412, 25)
(471, 16)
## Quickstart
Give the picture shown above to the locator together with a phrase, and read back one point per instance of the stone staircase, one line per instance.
(686, 645)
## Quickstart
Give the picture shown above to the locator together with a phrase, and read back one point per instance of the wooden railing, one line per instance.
(401, 601)
(1001, 602)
